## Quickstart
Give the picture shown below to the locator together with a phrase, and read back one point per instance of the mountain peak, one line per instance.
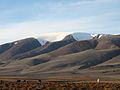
(42, 41)
(78, 36)
(81, 36)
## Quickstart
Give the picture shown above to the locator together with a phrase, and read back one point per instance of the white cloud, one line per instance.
(56, 36)
(92, 23)
(85, 24)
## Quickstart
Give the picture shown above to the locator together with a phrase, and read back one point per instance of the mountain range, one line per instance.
(77, 54)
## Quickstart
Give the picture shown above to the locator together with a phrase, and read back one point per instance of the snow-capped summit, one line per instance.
(81, 36)
(42, 42)
(52, 37)
(58, 36)
(78, 36)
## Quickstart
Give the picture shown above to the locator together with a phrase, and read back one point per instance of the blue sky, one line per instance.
(24, 18)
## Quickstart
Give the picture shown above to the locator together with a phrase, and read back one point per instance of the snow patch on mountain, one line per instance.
(42, 42)
(94, 35)
(98, 36)
(81, 36)
(16, 43)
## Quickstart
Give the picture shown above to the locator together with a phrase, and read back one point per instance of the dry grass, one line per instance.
(56, 85)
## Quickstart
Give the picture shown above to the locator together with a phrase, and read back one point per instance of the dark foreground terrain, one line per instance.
(57, 85)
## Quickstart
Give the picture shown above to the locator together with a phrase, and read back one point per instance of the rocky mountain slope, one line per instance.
(76, 54)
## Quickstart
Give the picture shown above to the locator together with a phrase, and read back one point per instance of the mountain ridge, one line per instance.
(69, 55)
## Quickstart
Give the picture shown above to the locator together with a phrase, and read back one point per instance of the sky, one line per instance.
(27, 18)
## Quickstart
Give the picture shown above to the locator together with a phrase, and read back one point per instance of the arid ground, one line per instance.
(56, 84)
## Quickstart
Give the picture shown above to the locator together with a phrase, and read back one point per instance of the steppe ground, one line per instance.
(57, 84)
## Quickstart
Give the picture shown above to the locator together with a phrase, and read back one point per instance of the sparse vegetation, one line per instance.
(56, 85)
